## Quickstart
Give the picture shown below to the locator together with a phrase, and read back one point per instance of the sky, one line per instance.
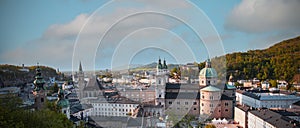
(110, 34)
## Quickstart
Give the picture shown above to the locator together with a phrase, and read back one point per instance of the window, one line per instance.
(226, 104)
(170, 102)
(226, 110)
(202, 81)
(195, 108)
(202, 97)
(195, 103)
(211, 97)
(159, 95)
(211, 105)
(186, 103)
(202, 104)
(178, 102)
(42, 100)
(208, 82)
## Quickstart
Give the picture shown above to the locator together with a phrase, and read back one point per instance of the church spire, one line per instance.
(80, 67)
(159, 65)
(165, 64)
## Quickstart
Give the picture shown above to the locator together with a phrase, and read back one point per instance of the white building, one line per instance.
(266, 99)
(241, 115)
(267, 119)
(113, 107)
(281, 84)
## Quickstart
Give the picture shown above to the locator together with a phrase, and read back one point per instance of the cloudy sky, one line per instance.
(107, 34)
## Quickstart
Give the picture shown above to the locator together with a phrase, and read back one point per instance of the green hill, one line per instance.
(10, 75)
(280, 61)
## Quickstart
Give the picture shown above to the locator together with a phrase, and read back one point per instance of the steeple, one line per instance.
(80, 67)
(165, 65)
(159, 65)
(39, 81)
(39, 90)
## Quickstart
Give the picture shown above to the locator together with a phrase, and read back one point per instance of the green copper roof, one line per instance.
(208, 72)
(211, 89)
(64, 103)
(39, 81)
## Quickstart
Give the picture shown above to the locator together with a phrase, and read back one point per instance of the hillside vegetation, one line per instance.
(281, 61)
(10, 75)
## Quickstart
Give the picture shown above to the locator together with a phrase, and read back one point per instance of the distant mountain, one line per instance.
(280, 61)
(11, 75)
(152, 66)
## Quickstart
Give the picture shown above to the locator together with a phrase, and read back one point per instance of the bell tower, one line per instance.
(39, 91)
(161, 80)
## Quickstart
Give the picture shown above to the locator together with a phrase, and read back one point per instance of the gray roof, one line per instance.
(182, 95)
(274, 118)
(211, 89)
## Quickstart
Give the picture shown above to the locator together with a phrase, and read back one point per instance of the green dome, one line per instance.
(208, 72)
(64, 103)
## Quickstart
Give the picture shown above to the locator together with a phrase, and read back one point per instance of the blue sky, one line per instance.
(47, 31)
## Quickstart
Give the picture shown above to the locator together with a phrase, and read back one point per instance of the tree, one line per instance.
(12, 115)
(273, 83)
(210, 126)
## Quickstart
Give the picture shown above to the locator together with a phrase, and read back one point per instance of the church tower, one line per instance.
(161, 80)
(208, 75)
(81, 83)
(39, 91)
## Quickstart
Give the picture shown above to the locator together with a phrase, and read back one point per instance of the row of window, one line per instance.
(186, 103)
(114, 105)
(112, 109)
(185, 108)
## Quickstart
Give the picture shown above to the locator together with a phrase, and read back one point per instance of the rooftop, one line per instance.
(274, 118)
(211, 89)
(182, 95)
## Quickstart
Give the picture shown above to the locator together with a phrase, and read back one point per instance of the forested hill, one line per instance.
(11, 75)
(281, 61)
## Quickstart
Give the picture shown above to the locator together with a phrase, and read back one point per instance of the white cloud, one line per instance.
(55, 47)
(265, 15)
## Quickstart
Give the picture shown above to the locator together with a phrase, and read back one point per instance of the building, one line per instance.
(265, 118)
(281, 84)
(39, 91)
(161, 80)
(216, 101)
(241, 115)
(214, 104)
(63, 103)
(208, 75)
(139, 95)
(265, 85)
(265, 99)
(119, 106)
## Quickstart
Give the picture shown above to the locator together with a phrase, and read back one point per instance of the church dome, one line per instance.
(63, 103)
(208, 71)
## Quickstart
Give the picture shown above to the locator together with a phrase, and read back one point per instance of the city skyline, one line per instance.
(46, 32)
